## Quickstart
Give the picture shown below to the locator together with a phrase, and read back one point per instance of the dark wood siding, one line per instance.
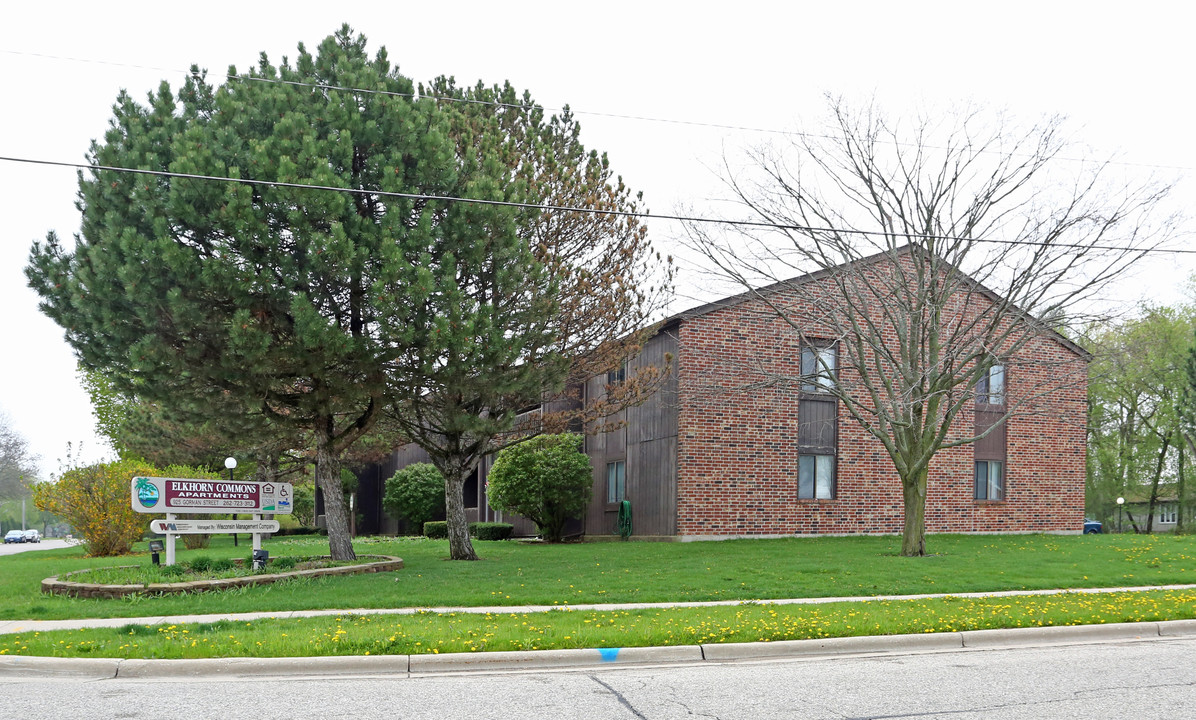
(371, 484)
(647, 443)
(817, 425)
(991, 446)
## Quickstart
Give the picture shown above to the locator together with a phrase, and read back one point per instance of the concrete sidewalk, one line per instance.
(20, 626)
(102, 668)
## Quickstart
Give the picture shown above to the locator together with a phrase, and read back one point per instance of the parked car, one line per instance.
(1092, 527)
(33, 536)
(14, 536)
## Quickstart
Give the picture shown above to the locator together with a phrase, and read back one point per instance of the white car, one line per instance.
(33, 536)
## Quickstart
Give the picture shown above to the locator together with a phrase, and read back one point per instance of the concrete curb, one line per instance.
(1173, 628)
(264, 667)
(535, 659)
(22, 667)
(28, 667)
(928, 642)
(1071, 634)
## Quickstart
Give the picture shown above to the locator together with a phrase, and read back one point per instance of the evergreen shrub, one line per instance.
(491, 530)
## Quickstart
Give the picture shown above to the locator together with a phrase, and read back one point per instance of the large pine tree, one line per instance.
(316, 309)
(195, 293)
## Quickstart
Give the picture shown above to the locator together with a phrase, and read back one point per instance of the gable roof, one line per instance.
(783, 285)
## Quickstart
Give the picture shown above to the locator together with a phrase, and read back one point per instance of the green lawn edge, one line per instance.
(431, 632)
(517, 574)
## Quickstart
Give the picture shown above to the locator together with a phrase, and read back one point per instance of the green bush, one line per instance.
(546, 479)
(195, 541)
(301, 530)
(491, 530)
(203, 563)
(416, 493)
(436, 529)
(223, 565)
(283, 563)
(303, 505)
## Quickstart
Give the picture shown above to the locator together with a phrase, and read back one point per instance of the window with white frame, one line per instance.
(1168, 512)
(990, 480)
(616, 481)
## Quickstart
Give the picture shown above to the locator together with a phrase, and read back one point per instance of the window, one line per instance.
(818, 423)
(818, 366)
(991, 388)
(617, 376)
(616, 482)
(990, 480)
(1168, 512)
(815, 477)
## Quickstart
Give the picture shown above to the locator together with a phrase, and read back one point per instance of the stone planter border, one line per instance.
(61, 585)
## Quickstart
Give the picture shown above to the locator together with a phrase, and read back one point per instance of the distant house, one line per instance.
(1136, 514)
(720, 451)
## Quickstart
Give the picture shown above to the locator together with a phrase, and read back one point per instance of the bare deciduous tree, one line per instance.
(18, 465)
(932, 251)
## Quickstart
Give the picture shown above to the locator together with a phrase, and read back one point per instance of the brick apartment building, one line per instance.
(724, 450)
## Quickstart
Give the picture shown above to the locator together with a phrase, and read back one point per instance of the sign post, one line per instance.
(169, 542)
(179, 495)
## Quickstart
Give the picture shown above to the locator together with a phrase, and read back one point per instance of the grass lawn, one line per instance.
(425, 633)
(521, 574)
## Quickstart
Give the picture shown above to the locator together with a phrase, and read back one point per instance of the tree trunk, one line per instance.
(1133, 523)
(328, 477)
(267, 465)
(913, 539)
(1154, 484)
(460, 546)
(1179, 488)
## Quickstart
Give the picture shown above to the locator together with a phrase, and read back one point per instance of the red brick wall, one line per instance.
(737, 445)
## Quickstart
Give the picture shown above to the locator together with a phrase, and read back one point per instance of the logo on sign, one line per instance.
(147, 493)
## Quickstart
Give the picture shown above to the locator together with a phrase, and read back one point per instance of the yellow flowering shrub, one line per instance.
(97, 502)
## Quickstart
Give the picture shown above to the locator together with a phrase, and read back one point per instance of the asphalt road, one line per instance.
(45, 544)
(1141, 679)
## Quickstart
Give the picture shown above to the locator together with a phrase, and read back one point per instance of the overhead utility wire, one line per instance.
(391, 93)
(590, 211)
(521, 106)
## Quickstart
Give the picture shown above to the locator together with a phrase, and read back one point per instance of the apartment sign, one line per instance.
(193, 527)
(179, 495)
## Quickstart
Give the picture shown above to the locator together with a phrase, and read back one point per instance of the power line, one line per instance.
(521, 106)
(589, 211)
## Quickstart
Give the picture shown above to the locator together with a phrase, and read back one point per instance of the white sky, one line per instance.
(1121, 72)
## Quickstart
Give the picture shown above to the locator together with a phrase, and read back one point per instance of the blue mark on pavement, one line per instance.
(609, 654)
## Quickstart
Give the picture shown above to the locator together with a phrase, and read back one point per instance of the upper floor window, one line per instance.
(991, 388)
(818, 367)
(618, 375)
